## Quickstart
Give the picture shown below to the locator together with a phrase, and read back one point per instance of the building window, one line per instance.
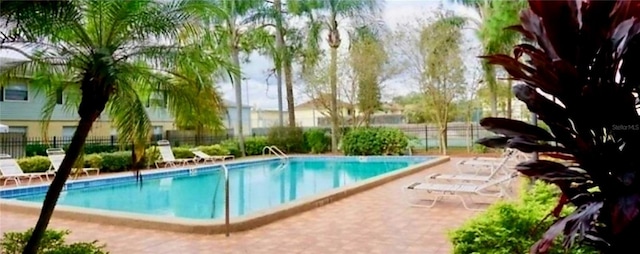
(67, 131)
(157, 130)
(349, 112)
(16, 92)
(59, 96)
(157, 99)
(18, 129)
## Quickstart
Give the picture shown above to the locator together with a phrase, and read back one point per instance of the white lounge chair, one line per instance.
(464, 192)
(11, 171)
(478, 176)
(166, 156)
(204, 157)
(486, 164)
(56, 155)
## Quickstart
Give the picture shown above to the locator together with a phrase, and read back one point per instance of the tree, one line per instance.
(490, 28)
(581, 79)
(435, 65)
(334, 9)
(236, 29)
(110, 53)
(367, 59)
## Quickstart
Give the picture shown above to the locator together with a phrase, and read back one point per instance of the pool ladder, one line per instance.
(276, 151)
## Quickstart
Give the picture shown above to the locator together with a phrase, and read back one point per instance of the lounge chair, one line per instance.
(483, 164)
(204, 157)
(56, 155)
(464, 192)
(478, 176)
(11, 171)
(167, 158)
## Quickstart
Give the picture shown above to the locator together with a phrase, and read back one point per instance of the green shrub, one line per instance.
(254, 145)
(477, 148)
(53, 242)
(374, 141)
(93, 161)
(511, 227)
(317, 140)
(214, 150)
(288, 139)
(36, 149)
(231, 146)
(182, 152)
(115, 162)
(34, 164)
(99, 148)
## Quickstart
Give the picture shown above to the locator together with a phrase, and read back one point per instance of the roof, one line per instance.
(317, 103)
(232, 104)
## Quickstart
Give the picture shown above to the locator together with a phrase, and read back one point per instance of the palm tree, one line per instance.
(112, 54)
(235, 27)
(335, 9)
(494, 17)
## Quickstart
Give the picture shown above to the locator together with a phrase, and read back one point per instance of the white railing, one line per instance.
(276, 151)
(226, 199)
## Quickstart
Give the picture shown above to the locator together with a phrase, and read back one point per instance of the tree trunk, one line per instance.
(278, 62)
(333, 81)
(51, 199)
(443, 139)
(237, 83)
(509, 96)
(288, 78)
(494, 103)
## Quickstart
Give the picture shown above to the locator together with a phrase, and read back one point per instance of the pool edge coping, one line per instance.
(217, 226)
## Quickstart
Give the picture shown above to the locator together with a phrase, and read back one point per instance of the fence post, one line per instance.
(112, 140)
(426, 137)
(54, 142)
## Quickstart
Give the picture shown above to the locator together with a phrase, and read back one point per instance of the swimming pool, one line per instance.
(198, 194)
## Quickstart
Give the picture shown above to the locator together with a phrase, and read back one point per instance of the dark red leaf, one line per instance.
(529, 146)
(514, 128)
(624, 211)
(493, 142)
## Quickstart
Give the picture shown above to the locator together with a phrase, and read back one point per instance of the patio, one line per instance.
(375, 221)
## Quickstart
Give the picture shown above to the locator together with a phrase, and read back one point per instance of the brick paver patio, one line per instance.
(375, 221)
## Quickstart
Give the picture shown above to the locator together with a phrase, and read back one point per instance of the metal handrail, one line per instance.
(276, 151)
(226, 199)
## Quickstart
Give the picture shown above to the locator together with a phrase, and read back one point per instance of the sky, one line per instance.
(259, 87)
(260, 94)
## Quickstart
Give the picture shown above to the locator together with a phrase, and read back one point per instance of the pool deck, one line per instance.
(374, 221)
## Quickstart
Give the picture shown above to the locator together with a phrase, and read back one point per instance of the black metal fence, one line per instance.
(423, 137)
(18, 145)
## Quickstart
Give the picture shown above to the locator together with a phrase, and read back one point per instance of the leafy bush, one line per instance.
(99, 148)
(477, 148)
(34, 164)
(115, 162)
(317, 140)
(231, 146)
(36, 149)
(214, 150)
(53, 242)
(374, 141)
(254, 145)
(182, 152)
(289, 139)
(93, 161)
(506, 228)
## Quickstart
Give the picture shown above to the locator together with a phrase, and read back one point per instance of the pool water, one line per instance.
(252, 187)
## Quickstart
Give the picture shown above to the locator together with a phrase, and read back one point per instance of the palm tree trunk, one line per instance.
(237, 84)
(288, 78)
(51, 199)
(333, 81)
(280, 52)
